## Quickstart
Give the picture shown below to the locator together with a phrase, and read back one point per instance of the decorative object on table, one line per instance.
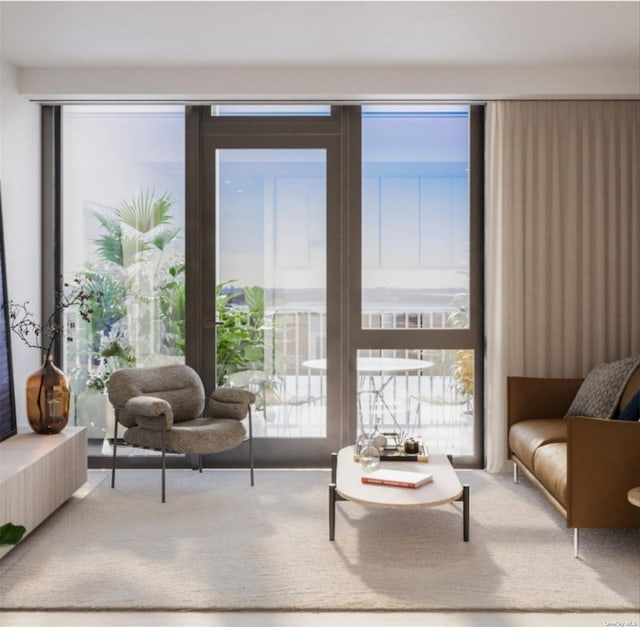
(370, 446)
(48, 389)
(411, 446)
(48, 398)
(378, 439)
(367, 453)
(394, 450)
(400, 454)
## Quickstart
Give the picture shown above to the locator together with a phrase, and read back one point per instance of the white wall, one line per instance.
(20, 187)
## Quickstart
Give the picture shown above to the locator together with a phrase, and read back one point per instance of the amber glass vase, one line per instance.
(48, 398)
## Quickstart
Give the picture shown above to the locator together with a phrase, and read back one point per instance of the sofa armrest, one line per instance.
(603, 464)
(530, 398)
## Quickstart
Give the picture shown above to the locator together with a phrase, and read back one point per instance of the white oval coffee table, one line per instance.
(346, 485)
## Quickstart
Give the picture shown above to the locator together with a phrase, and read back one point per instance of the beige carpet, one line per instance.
(219, 544)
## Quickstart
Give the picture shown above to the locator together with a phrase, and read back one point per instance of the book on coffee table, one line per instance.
(397, 478)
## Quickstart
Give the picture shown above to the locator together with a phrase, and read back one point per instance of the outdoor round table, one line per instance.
(377, 365)
(387, 367)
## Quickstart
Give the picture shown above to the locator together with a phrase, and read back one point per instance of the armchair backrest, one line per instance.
(178, 384)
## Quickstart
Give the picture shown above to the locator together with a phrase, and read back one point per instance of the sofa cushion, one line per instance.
(550, 467)
(631, 411)
(632, 387)
(199, 436)
(528, 435)
(600, 392)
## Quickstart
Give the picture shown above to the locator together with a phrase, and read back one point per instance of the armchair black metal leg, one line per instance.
(115, 444)
(250, 445)
(465, 513)
(197, 461)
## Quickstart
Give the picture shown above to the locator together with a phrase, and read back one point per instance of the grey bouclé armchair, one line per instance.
(162, 408)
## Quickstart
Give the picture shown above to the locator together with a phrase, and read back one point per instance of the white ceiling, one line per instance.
(321, 34)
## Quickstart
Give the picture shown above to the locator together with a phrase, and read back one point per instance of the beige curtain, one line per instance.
(563, 244)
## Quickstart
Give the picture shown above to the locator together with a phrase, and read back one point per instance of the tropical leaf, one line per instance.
(110, 222)
(145, 212)
(177, 269)
(109, 248)
(132, 246)
(109, 245)
(164, 236)
(254, 298)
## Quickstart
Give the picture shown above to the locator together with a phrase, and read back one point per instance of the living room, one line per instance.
(552, 275)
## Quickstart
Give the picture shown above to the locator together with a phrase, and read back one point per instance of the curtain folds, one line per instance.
(563, 244)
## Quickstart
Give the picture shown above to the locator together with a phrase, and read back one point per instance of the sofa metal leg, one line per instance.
(515, 472)
(576, 538)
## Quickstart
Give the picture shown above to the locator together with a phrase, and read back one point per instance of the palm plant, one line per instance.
(135, 238)
(135, 227)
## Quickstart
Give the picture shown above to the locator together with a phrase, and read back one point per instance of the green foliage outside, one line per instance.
(139, 277)
(240, 332)
(172, 303)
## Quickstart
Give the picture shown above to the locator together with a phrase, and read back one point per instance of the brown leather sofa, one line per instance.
(583, 466)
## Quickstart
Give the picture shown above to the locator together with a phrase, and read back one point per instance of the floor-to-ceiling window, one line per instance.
(420, 353)
(122, 234)
(328, 257)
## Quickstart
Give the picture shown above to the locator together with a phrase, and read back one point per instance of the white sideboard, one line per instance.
(38, 473)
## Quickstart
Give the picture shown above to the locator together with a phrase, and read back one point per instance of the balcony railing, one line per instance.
(429, 403)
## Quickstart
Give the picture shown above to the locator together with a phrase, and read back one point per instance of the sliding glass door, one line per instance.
(264, 208)
(270, 262)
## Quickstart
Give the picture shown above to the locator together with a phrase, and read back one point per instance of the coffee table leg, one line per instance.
(465, 513)
(332, 511)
